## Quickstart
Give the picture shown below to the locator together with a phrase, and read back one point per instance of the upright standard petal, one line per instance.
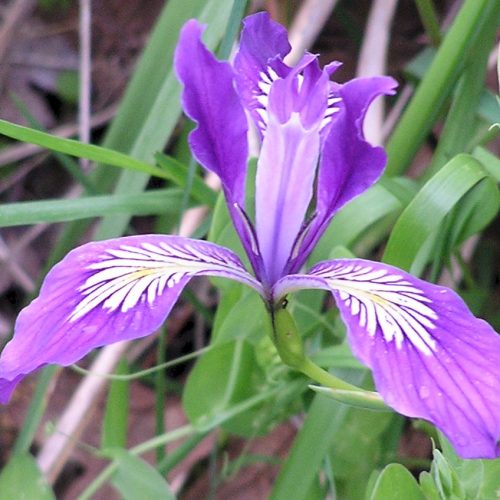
(431, 358)
(259, 62)
(105, 292)
(349, 164)
(287, 163)
(219, 142)
(209, 98)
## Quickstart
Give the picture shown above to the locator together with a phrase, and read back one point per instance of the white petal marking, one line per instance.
(385, 303)
(272, 74)
(330, 110)
(261, 94)
(128, 275)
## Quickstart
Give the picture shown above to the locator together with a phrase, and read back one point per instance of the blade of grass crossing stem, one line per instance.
(182, 432)
(424, 215)
(191, 174)
(164, 112)
(323, 421)
(180, 452)
(461, 124)
(438, 82)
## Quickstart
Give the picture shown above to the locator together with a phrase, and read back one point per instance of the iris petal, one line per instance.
(287, 162)
(431, 358)
(106, 292)
(259, 62)
(349, 164)
(219, 142)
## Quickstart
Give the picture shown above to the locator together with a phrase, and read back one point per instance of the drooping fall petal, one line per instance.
(431, 358)
(105, 292)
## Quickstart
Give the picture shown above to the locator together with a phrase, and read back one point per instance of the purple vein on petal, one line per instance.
(445, 367)
(106, 292)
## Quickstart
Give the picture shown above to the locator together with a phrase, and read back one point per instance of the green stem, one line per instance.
(179, 433)
(325, 378)
(137, 450)
(143, 373)
(288, 343)
(428, 16)
(36, 410)
(160, 394)
(181, 452)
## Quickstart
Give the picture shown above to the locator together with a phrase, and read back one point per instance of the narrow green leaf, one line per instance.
(21, 479)
(396, 482)
(147, 119)
(221, 378)
(354, 220)
(160, 391)
(135, 478)
(114, 427)
(437, 84)
(178, 173)
(475, 211)
(34, 212)
(490, 162)
(233, 26)
(428, 16)
(488, 109)
(455, 138)
(324, 419)
(79, 149)
(428, 209)
(69, 164)
(35, 411)
(366, 400)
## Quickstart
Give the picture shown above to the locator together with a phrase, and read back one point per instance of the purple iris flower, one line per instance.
(430, 357)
